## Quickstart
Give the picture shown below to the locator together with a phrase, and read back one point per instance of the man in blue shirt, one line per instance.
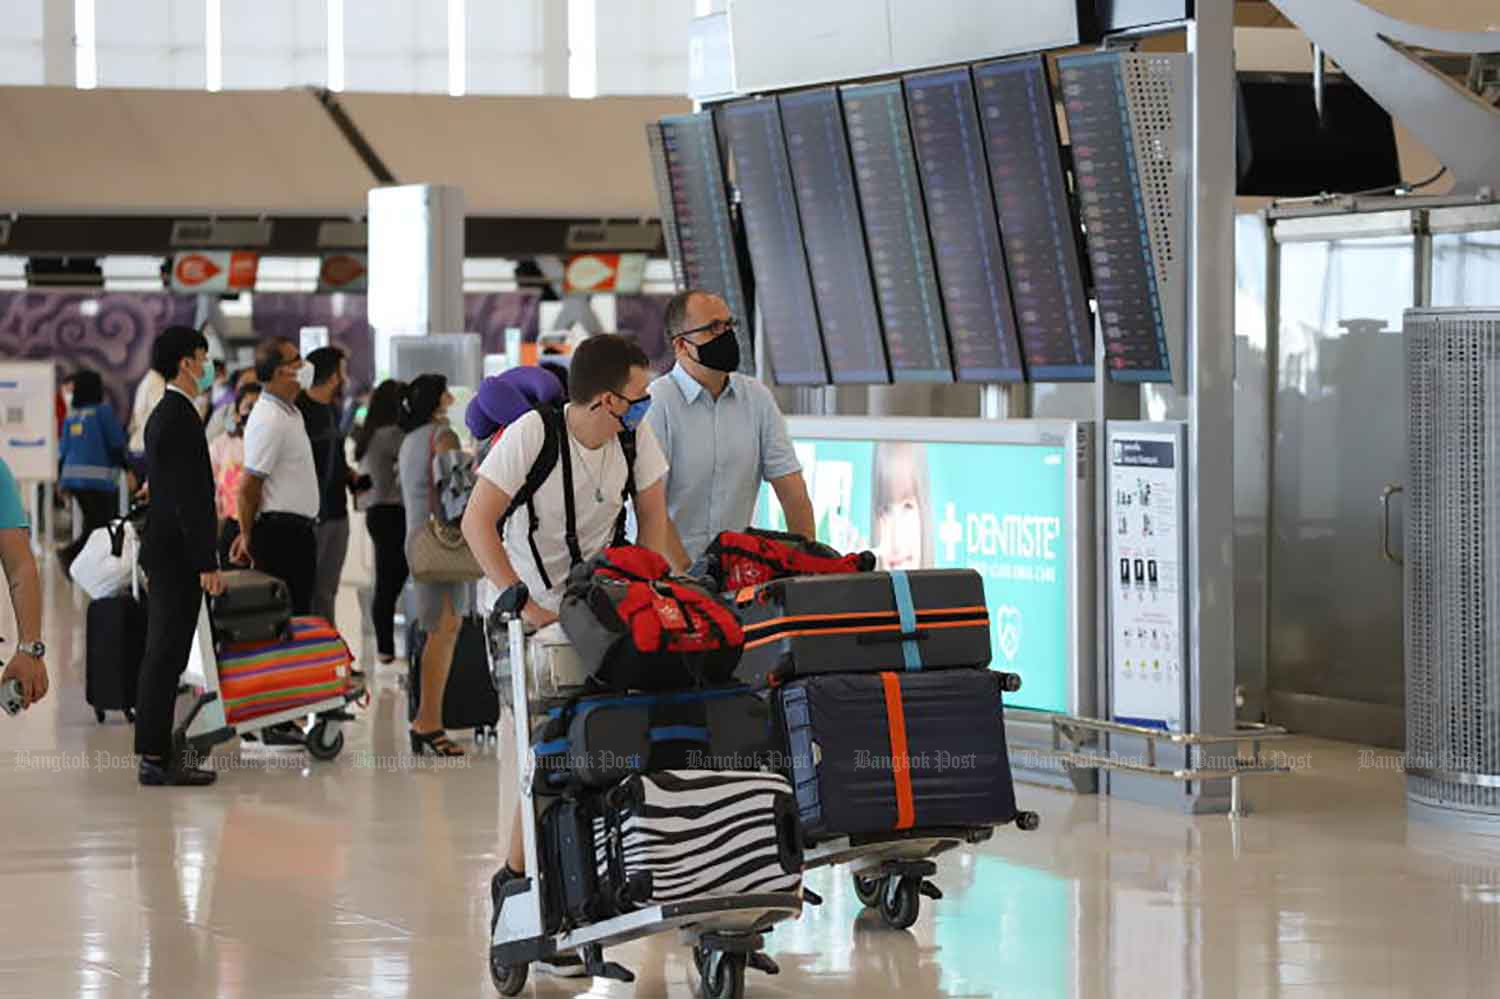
(722, 431)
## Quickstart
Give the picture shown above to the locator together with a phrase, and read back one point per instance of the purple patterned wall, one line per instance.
(274, 314)
(115, 341)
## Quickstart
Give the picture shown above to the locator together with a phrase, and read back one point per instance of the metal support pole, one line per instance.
(1273, 382)
(1210, 569)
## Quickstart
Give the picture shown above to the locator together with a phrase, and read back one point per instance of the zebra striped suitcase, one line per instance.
(676, 835)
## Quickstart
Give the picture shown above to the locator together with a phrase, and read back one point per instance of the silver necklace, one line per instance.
(597, 479)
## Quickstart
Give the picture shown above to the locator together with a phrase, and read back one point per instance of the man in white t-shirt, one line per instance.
(608, 378)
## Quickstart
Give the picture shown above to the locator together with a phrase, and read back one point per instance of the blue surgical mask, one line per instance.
(635, 413)
(206, 379)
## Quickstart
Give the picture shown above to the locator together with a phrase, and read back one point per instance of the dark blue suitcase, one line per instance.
(887, 753)
(598, 741)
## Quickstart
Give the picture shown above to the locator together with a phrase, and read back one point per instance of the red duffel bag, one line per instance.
(737, 559)
(635, 626)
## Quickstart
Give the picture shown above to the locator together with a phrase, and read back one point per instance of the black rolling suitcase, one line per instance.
(595, 742)
(115, 641)
(864, 623)
(881, 753)
(254, 607)
(672, 836)
(469, 699)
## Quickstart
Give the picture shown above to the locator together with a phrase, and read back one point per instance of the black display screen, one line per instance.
(705, 255)
(661, 178)
(769, 203)
(961, 218)
(1036, 222)
(890, 193)
(831, 230)
(1114, 220)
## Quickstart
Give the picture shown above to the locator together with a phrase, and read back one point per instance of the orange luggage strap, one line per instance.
(895, 716)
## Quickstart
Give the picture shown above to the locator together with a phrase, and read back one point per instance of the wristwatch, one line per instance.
(36, 650)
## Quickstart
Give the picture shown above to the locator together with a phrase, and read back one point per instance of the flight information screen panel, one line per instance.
(961, 217)
(769, 203)
(1036, 223)
(890, 191)
(705, 255)
(1130, 307)
(828, 205)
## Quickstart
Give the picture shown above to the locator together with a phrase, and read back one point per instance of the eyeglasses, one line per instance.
(718, 328)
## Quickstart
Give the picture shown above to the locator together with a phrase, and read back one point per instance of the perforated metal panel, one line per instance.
(1453, 562)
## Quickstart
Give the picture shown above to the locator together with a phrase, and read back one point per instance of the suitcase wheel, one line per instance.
(130, 715)
(323, 744)
(99, 715)
(1028, 821)
(722, 973)
(868, 890)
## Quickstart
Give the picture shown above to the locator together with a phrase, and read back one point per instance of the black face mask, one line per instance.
(722, 353)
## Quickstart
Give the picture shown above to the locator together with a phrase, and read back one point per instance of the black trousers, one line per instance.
(287, 548)
(99, 507)
(387, 526)
(171, 620)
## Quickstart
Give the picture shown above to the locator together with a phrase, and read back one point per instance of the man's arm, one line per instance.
(26, 598)
(656, 529)
(791, 493)
(247, 505)
(486, 505)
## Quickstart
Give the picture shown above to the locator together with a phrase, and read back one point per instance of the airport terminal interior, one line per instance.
(1135, 362)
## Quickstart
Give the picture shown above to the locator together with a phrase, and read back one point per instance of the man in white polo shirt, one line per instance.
(278, 497)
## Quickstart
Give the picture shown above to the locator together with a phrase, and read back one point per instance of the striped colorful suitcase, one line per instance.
(264, 678)
(679, 835)
(864, 623)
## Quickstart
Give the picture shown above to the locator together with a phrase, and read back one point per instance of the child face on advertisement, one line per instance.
(901, 505)
(900, 527)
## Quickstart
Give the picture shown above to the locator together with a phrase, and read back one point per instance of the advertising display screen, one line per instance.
(930, 504)
(829, 207)
(890, 192)
(1115, 229)
(697, 220)
(777, 256)
(1036, 222)
(961, 215)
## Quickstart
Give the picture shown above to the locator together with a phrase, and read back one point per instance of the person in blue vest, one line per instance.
(92, 451)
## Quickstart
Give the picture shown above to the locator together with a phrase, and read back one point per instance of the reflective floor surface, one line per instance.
(366, 877)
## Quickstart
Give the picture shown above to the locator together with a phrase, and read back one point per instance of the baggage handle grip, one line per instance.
(893, 638)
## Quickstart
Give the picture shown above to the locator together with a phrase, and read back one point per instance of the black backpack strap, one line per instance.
(627, 446)
(570, 508)
(541, 468)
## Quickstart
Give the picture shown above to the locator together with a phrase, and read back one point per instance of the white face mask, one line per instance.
(305, 376)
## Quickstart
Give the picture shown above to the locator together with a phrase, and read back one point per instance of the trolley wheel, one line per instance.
(322, 746)
(869, 889)
(130, 715)
(509, 979)
(900, 903)
(1028, 821)
(723, 975)
(99, 715)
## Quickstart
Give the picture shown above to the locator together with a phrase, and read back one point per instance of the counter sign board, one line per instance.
(214, 271)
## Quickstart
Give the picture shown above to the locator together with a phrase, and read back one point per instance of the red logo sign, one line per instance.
(195, 268)
(341, 269)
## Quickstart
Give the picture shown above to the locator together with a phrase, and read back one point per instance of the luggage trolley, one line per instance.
(206, 724)
(891, 872)
(724, 932)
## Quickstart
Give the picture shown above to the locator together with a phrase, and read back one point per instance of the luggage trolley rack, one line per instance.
(724, 932)
(206, 724)
(891, 873)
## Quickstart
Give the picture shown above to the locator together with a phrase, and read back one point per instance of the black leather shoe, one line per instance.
(178, 773)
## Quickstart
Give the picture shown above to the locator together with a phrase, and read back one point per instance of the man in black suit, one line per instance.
(180, 554)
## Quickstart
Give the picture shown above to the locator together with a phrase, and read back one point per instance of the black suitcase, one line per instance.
(598, 741)
(254, 607)
(864, 623)
(888, 752)
(469, 699)
(570, 876)
(115, 642)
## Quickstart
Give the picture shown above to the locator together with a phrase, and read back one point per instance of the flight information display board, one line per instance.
(661, 178)
(828, 205)
(961, 217)
(769, 202)
(1036, 222)
(890, 192)
(1115, 228)
(699, 218)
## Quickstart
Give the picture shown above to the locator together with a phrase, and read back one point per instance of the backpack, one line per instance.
(635, 626)
(737, 559)
(555, 448)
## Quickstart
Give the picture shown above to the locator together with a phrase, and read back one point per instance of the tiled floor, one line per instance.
(367, 877)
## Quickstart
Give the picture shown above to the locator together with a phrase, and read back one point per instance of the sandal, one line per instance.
(438, 742)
